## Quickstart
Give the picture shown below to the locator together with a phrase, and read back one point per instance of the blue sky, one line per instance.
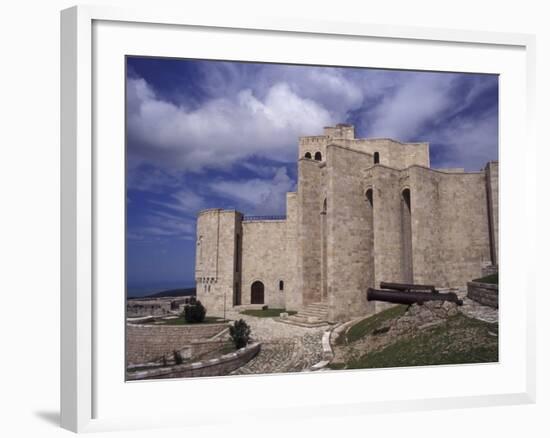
(204, 134)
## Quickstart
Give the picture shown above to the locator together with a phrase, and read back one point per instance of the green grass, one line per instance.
(368, 325)
(490, 279)
(459, 340)
(267, 313)
(180, 320)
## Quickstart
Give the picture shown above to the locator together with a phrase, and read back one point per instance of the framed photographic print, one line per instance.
(254, 207)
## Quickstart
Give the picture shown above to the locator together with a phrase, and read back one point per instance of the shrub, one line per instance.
(177, 357)
(194, 313)
(240, 333)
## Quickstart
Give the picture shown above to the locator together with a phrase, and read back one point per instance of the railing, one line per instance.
(264, 218)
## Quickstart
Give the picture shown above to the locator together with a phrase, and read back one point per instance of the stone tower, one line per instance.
(218, 259)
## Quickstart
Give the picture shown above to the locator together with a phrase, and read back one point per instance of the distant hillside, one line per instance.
(174, 293)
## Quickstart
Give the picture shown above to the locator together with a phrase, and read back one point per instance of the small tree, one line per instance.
(194, 313)
(240, 333)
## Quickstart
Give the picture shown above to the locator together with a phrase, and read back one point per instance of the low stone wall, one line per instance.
(219, 366)
(139, 308)
(483, 293)
(149, 343)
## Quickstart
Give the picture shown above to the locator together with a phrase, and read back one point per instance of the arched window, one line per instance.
(370, 197)
(308, 155)
(407, 198)
(281, 285)
(376, 158)
(318, 156)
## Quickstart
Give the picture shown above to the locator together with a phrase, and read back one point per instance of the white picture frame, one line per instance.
(83, 176)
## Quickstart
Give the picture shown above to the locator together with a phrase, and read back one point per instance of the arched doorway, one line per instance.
(257, 293)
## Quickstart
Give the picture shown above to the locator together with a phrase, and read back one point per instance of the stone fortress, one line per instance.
(365, 211)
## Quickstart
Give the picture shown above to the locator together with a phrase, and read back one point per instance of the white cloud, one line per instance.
(222, 131)
(403, 112)
(265, 196)
(150, 179)
(185, 201)
(162, 226)
(470, 142)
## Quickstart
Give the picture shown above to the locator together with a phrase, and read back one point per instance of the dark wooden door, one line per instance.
(257, 293)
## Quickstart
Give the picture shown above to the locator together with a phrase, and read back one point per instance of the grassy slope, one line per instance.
(459, 340)
(368, 325)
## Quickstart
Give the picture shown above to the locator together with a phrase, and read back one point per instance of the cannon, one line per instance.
(404, 297)
(408, 287)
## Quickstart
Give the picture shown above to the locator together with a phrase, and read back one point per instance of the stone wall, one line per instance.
(137, 308)
(293, 295)
(347, 239)
(483, 293)
(264, 258)
(145, 343)
(312, 145)
(215, 266)
(464, 227)
(450, 226)
(309, 228)
(491, 172)
(214, 367)
(387, 221)
(393, 153)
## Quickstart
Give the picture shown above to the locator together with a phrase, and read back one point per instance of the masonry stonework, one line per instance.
(365, 211)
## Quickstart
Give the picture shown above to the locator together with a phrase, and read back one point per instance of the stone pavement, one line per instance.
(285, 348)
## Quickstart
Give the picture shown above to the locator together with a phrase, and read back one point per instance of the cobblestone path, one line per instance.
(285, 348)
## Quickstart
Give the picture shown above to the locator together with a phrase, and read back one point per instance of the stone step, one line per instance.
(302, 322)
(316, 309)
(313, 313)
(317, 306)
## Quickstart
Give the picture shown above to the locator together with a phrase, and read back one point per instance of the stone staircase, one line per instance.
(313, 315)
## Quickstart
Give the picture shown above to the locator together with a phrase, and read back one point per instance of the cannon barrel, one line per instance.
(402, 297)
(408, 287)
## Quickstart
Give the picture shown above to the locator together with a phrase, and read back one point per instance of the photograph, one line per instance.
(288, 218)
